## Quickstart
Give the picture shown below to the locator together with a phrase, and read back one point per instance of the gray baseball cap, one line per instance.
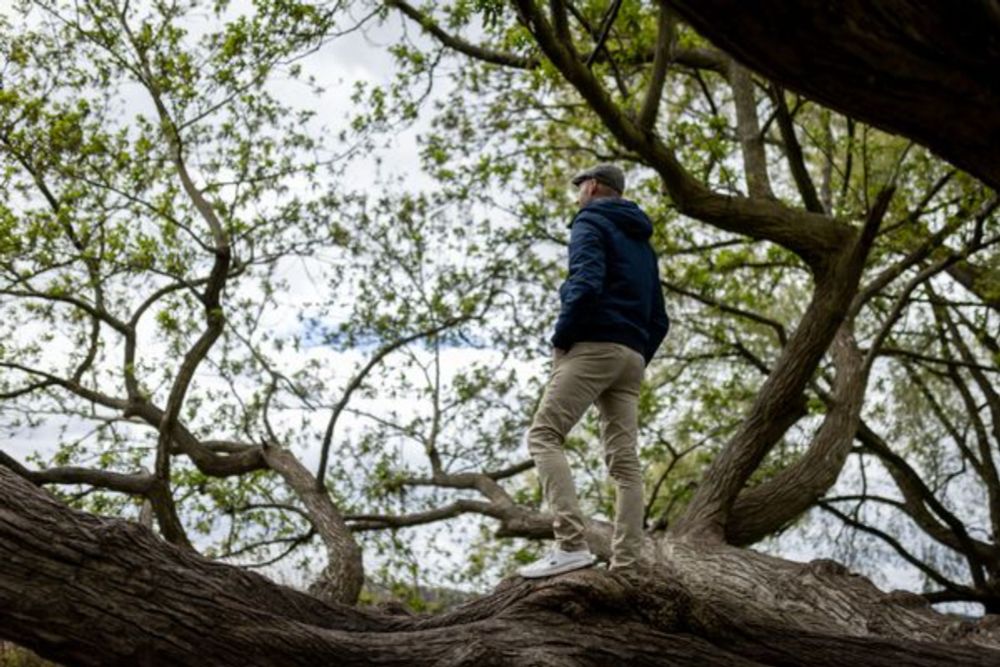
(608, 174)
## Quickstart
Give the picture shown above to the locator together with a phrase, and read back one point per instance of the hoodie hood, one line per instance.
(624, 213)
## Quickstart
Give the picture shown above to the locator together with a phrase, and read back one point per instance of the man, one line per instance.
(610, 324)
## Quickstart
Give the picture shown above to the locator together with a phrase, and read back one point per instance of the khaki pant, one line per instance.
(608, 374)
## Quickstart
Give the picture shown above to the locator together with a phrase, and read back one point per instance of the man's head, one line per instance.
(604, 180)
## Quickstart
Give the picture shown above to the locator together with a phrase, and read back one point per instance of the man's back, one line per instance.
(612, 292)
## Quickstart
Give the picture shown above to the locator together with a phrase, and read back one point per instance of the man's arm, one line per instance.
(584, 284)
(659, 323)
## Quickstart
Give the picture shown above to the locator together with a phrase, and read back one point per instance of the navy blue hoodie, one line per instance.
(612, 292)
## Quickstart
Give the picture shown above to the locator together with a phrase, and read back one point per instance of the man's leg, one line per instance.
(619, 408)
(578, 377)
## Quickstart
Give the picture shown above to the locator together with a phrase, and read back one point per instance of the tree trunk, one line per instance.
(926, 70)
(98, 591)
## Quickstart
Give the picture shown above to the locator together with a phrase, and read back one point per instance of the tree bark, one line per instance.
(761, 510)
(344, 574)
(87, 590)
(780, 401)
(926, 70)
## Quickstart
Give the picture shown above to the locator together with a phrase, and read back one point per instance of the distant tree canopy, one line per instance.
(184, 271)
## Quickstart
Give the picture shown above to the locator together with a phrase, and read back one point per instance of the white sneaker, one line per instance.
(557, 561)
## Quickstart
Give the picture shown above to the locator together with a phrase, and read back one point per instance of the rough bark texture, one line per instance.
(95, 591)
(344, 574)
(797, 488)
(926, 70)
(779, 404)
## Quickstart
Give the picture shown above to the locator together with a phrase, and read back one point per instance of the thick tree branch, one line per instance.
(780, 402)
(762, 510)
(344, 574)
(136, 484)
(666, 34)
(748, 131)
(918, 69)
(813, 237)
(186, 610)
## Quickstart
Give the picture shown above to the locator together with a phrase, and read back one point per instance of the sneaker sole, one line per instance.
(567, 567)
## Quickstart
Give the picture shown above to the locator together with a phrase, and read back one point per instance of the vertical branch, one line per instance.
(606, 24)
(848, 161)
(210, 297)
(666, 35)
(432, 440)
(793, 152)
(826, 184)
(748, 131)
(560, 23)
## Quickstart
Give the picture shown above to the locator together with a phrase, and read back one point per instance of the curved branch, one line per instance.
(780, 401)
(666, 34)
(137, 484)
(458, 44)
(918, 498)
(898, 548)
(359, 378)
(344, 573)
(761, 510)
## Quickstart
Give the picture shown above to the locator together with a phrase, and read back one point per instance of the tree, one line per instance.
(869, 238)
(130, 581)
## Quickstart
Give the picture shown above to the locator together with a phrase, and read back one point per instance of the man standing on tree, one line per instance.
(611, 322)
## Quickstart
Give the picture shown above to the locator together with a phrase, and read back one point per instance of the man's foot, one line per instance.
(557, 561)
